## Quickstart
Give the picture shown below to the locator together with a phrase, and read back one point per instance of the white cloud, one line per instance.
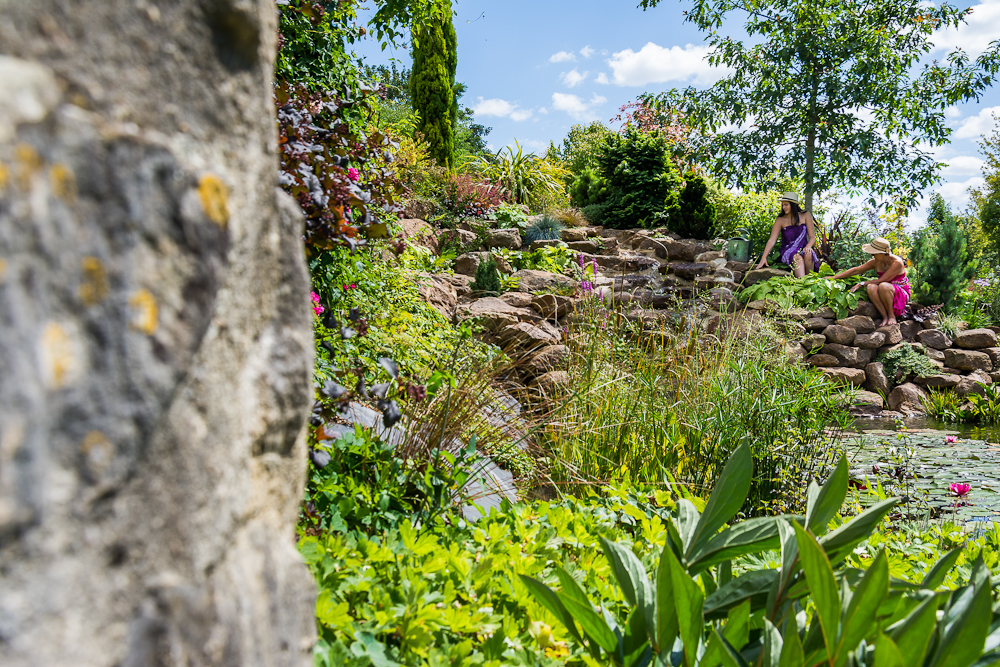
(501, 109)
(657, 64)
(963, 165)
(976, 34)
(586, 51)
(976, 126)
(573, 77)
(602, 78)
(576, 107)
(543, 110)
(533, 145)
(952, 112)
(957, 193)
(562, 57)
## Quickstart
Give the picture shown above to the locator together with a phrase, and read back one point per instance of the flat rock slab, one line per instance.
(860, 323)
(975, 339)
(934, 338)
(968, 360)
(851, 376)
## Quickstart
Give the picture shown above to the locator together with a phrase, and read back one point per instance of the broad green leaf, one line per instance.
(887, 653)
(750, 536)
(632, 579)
(727, 497)
(635, 641)
(688, 602)
(824, 506)
(546, 597)
(791, 648)
(935, 576)
(570, 587)
(737, 629)
(687, 522)
(771, 655)
(913, 633)
(666, 615)
(842, 541)
(963, 641)
(859, 621)
(592, 624)
(730, 656)
(822, 585)
(752, 586)
(725, 572)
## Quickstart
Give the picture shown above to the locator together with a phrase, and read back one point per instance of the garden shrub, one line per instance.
(432, 81)
(812, 292)
(940, 258)
(587, 188)
(909, 362)
(595, 213)
(487, 280)
(694, 216)
(570, 217)
(511, 216)
(547, 228)
(641, 180)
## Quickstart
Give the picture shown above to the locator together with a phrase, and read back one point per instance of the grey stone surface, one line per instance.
(862, 324)
(532, 280)
(851, 376)
(974, 339)
(875, 379)
(155, 343)
(907, 398)
(817, 324)
(870, 341)
(823, 361)
(504, 238)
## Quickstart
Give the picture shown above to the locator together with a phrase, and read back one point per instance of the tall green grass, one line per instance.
(673, 407)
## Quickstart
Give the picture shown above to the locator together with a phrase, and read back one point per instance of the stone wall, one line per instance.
(155, 340)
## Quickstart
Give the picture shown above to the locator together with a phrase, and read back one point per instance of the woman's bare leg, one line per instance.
(874, 297)
(797, 267)
(808, 259)
(888, 293)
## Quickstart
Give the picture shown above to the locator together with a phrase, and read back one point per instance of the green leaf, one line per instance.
(594, 627)
(737, 630)
(887, 653)
(750, 536)
(752, 586)
(842, 541)
(771, 655)
(687, 522)
(822, 586)
(666, 620)
(859, 621)
(632, 578)
(964, 639)
(730, 656)
(727, 497)
(935, 576)
(824, 506)
(914, 632)
(688, 603)
(791, 649)
(546, 597)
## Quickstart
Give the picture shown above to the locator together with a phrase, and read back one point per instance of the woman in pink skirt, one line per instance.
(891, 291)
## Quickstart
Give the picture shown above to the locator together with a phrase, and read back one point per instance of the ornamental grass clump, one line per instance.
(546, 229)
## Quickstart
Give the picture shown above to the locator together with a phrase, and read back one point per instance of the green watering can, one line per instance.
(739, 247)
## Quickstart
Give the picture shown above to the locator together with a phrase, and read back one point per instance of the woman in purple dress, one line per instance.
(798, 236)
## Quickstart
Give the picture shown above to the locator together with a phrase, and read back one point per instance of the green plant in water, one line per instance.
(858, 616)
(487, 280)
(906, 360)
(546, 229)
(944, 404)
(812, 292)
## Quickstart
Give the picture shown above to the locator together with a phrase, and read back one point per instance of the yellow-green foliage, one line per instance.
(435, 58)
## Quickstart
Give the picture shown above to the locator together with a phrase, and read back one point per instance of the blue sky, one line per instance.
(534, 68)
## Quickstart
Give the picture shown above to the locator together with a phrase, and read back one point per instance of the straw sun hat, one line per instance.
(790, 196)
(877, 247)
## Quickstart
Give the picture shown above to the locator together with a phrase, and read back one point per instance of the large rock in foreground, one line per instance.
(155, 343)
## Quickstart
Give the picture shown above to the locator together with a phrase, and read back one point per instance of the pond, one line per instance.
(920, 458)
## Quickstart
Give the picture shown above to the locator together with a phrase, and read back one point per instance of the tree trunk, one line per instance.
(155, 343)
(810, 176)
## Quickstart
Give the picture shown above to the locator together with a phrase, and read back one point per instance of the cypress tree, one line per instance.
(432, 86)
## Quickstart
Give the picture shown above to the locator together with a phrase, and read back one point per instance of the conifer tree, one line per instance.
(432, 86)
(695, 215)
(940, 257)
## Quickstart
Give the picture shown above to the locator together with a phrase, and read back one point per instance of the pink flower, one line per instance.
(960, 490)
(949, 439)
(352, 174)
(317, 307)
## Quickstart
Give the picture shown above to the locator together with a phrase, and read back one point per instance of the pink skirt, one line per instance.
(901, 287)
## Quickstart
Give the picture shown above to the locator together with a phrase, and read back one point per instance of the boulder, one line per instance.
(589, 246)
(504, 238)
(552, 383)
(468, 263)
(851, 376)
(684, 251)
(868, 309)
(797, 314)
(598, 232)
(689, 270)
(893, 336)
(461, 283)
(934, 355)
(839, 334)
(419, 209)
(710, 256)
(493, 313)
(847, 356)
(817, 323)
(875, 379)
(532, 280)
(517, 299)
(868, 398)
(546, 359)
(763, 304)
(722, 299)
(975, 383)
(975, 339)
(946, 380)
(438, 292)
(553, 306)
(968, 360)
(460, 239)
(573, 234)
(994, 354)
(156, 341)
(760, 275)
(907, 398)
(934, 338)
(870, 341)
(607, 245)
(862, 324)
(790, 329)
(813, 341)
(823, 361)
(658, 246)
(909, 329)
(418, 232)
(524, 337)
(826, 313)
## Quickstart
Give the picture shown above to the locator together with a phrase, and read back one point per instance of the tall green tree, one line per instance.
(641, 182)
(940, 257)
(432, 86)
(986, 199)
(830, 92)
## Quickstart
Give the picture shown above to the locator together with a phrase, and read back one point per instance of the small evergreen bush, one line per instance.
(694, 216)
(940, 258)
(905, 358)
(587, 188)
(487, 277)
(641, 180)
(545, 229)
(595, 213)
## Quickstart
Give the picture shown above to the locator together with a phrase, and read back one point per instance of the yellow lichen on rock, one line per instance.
(3, 270)
(98, 451)
(4, 176)
(62, 180)
(28, 162)
(214, 195)
(146, 315)
(57, 356)
(94, 286)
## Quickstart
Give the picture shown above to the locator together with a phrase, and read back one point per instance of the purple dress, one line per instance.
(793, 239)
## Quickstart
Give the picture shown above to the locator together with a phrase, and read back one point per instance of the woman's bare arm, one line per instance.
(811, 228)
(770, 244)
(867, 266)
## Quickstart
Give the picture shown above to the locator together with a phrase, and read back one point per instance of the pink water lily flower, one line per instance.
(960, 490)
(949, 439)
